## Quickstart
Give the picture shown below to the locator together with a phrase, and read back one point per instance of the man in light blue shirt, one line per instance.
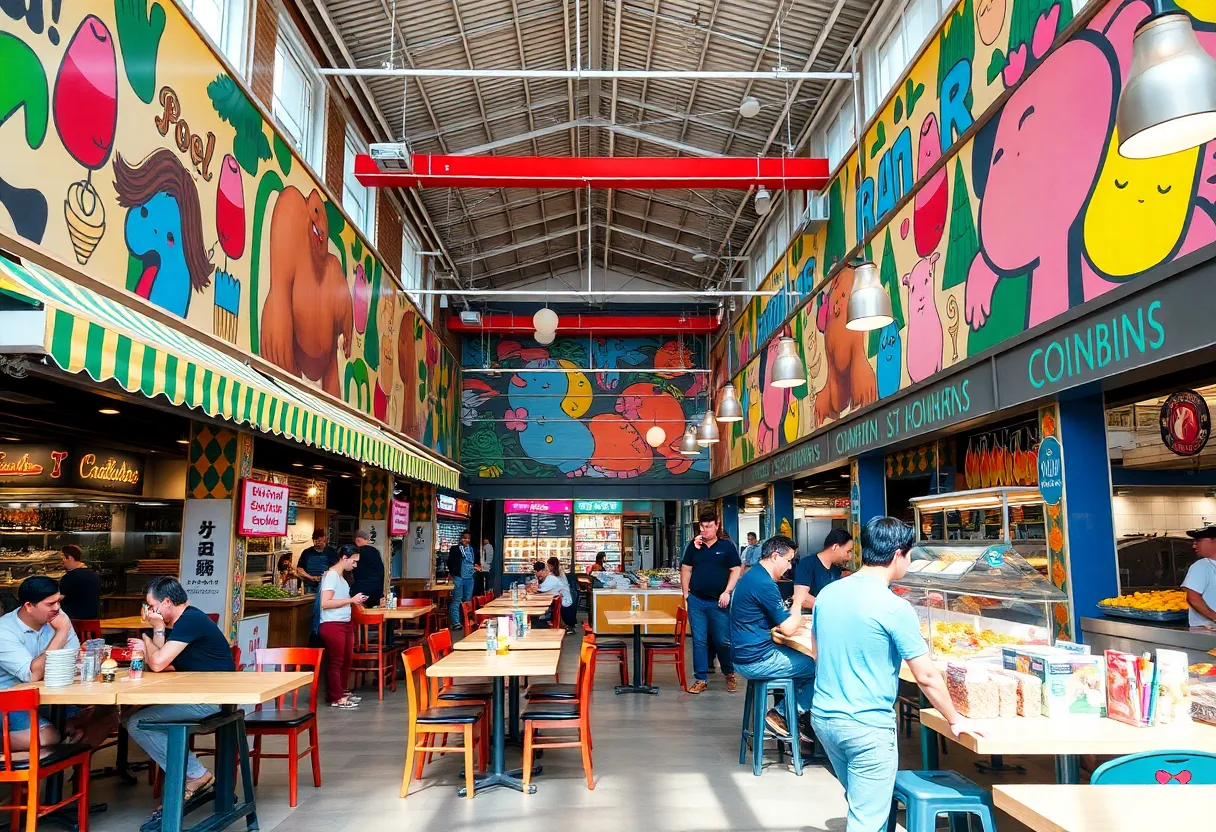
(862, 632)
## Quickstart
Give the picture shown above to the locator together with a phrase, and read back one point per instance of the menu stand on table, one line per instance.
(638, 620)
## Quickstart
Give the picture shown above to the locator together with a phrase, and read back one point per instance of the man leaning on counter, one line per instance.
(1200, 582)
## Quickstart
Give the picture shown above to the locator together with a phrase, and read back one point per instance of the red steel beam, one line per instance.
(598, 324)
(641, 172)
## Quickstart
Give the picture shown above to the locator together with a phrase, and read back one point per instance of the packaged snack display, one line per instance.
(1172, 699)
(1007, 694)
(1203, 703)
(1073, 684)
(1029, 692)
(973, 691)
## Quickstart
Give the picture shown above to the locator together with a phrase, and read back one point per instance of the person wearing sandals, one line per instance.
(184, 639)
(336, 630)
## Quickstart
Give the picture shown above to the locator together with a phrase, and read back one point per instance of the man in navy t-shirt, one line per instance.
(755, 610)
(814, 572)
(708, 572)
(183, 639)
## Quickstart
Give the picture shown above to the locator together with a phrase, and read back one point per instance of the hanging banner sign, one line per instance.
(1051, 471)
(1186, 423)
(399, 517)
(263, 509)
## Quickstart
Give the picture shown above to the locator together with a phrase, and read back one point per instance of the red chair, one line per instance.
(466, 616)
(668, 652)
(555, 614)
(428, 621)
(372, 653)
(615, 651)
(214, 616)
(26, 775)
(284, 720)
(87, 628)
(547, 715)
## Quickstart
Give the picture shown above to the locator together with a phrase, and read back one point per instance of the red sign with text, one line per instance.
(399, 517)
(263, 509)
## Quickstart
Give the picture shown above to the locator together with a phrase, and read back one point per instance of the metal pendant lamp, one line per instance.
(787, 366)
(869, 303)
(729, 408)
(1169, 101)
(688, 443)
(707, 433)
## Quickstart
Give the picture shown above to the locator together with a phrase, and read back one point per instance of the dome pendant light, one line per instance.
(688, 442)
(707, 433)
(869, 303)
(787, 366)
(545, 320)
(656, 436)
(544, 338)
(729, 409)
(763, 201)
(1168, 103)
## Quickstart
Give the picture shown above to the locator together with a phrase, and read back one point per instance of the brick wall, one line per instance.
(266, 29)
(335, 145)
(388, 231)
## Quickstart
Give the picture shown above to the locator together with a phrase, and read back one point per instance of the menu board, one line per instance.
(519, 525)
(554, 525)
(529, 537)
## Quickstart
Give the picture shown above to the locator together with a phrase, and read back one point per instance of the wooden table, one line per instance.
(126, 622)
(1106, 808)
(529, 607)
(469, 663)
(404, 613)
(637, 620)
(537, 638)
(1066, 738)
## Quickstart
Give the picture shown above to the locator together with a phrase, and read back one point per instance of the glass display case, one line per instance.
(978, 574)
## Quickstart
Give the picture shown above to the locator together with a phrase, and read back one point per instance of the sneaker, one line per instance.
(350, 697)
(732, 683)
(776, 723)
(699, 686)
(345, 705)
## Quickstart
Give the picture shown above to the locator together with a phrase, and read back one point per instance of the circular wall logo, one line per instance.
(1186, 423)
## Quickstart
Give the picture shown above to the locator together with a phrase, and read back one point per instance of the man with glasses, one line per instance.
(755, 610)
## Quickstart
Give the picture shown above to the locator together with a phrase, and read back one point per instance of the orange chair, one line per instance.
(284, 720)
(615, 651)
(466, 616)
(445, 694)
(576, 714)
(372, 653)
(668, 652)
(26, 775)
(555, 614)
(87, 628)
(428, 721)
(428, 621)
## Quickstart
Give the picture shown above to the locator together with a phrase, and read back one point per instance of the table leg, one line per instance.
(498, 775)
(1068, 769)
(928, 742)
(513, 708)
(636, 686)
(122, 768)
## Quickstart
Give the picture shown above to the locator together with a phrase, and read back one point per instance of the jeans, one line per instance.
(708, 622)
(339, 640)
(156, 743)
(462, 592)
(866, 761)
(784, 663)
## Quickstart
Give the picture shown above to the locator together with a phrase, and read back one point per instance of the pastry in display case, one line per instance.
(975, 579)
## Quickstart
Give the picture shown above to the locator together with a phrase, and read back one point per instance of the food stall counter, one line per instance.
(290, 618)
(662, 599)
(1130, 636)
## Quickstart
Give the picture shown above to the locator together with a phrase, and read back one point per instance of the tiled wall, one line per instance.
(1159, 510)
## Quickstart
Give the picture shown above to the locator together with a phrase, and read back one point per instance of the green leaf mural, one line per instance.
(337, 224)
(913, 94)
(888, 273)
(880, 138)
(271, 183)
(964, 243)
(898, 110)
(835, 247)
(139, 32)
(995, 65)
(1008, 316)
(371, 339)
(1026, 14)
(250, 147)
(282, 155)
(957, 40)
(25, 85)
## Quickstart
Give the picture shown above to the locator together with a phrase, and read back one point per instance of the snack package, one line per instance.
(1018, 657)
(1007, 694)
(1073, 684)
(973, 691)
(1029, 692)
(1203, 703)
(1123, 694)
(1173, 695)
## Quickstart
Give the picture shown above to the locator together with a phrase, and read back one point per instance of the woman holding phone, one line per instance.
(336, 630)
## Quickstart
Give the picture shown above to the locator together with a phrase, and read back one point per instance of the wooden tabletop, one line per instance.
(1106, 808)
(1073, 735)
(467, 663)
(545, 638)
(235, 688)
(126, 622)
(489, 610)
(801, 641)
(404, 613)
(94, 693)
(636, 619)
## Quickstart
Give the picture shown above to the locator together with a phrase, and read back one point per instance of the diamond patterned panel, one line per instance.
(212, 469)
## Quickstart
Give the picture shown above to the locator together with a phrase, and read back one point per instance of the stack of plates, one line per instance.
(60, 667)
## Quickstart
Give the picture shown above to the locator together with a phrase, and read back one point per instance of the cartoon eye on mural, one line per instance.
(163, 230)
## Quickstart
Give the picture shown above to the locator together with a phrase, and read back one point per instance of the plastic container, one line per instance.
(491, 637)
(136, 671)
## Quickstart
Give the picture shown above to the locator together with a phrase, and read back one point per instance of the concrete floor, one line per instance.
(668, 762)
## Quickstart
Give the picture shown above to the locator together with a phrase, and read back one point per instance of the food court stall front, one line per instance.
(654, 589)
(535, 530)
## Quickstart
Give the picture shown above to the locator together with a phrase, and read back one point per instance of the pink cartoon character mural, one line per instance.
(932, 200)
(774, 402)
(924, 323)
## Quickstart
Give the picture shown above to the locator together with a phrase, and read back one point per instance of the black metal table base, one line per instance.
(637, 686)
(651, 689)
(997, 765)
(511, 779)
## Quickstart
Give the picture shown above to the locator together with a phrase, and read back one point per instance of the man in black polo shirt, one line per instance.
(814, 572)
(708, 573)
(313, 562)
(80, 586)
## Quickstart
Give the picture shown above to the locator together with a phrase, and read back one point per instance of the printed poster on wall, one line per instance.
(206, 564)
(264, 508)
(399, 518)
(420, 552)
(252, 632)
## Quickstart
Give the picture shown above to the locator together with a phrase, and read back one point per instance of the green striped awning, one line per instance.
(88, 332)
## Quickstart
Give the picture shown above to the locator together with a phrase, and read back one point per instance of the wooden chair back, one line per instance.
(236, 656)
(681, 626)
(439, 644)
(87, 628)
(416, 690)
(466, 616)
(288, 659)
(586, 679)
(365, 622)
(11, 702)
(555, 614)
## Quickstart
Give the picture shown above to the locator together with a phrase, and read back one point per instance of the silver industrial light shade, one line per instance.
(729, 409)
(688, 443)
(707, 433)
(750, 108)
(787, 366)
(1169, 101)
(700, 256)
(869, 303)
(763, 201)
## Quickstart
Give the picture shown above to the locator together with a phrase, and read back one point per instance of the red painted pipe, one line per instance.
(598, 324)
(641, 172)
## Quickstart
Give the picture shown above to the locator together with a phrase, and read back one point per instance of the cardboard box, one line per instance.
(1073, 685)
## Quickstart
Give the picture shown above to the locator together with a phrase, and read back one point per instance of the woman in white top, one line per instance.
(336, 630)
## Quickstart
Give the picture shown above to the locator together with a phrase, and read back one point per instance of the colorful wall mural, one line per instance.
(530, 422)
(1031, 216)
(126, 148)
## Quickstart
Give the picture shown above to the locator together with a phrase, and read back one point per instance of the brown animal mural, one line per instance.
(408, 356)
(309, 305)
(851, 381)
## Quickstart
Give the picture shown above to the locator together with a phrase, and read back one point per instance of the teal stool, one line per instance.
(927, 794)
(755, 706)
(1158, 767)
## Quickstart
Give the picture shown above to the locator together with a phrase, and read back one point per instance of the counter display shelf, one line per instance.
(1143, 636)
(290, 618)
